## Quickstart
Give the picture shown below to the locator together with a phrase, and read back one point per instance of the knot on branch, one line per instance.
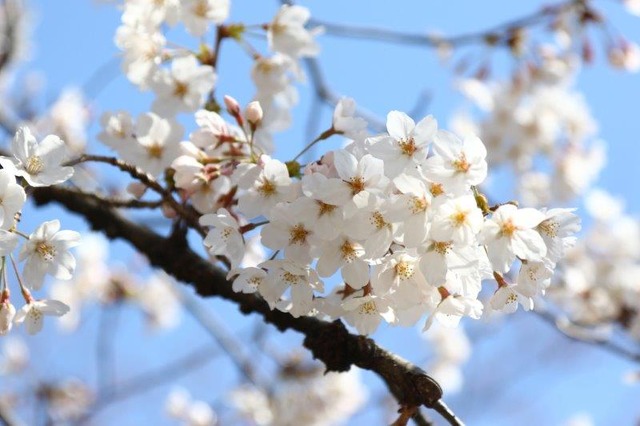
(339, 350)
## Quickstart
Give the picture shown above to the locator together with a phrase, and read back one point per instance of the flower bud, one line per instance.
(625, 56)
(233, 107)
(254, 113)
(7, 312)
(168, 211)
(137, 189)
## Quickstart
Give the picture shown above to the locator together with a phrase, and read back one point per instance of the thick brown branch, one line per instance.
(329, 342)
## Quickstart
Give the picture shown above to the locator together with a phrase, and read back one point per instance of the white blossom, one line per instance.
(47, 252)
(40, 164)
(224, 239)
(197, 15)
(184, 87)
(511, 233)
(33, 312)
(287, 33)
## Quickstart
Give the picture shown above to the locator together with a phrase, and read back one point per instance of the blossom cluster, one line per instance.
(46, 250)
(304, 394)
(597, 286)
(399, 216)
(184, 80)
(540, 126)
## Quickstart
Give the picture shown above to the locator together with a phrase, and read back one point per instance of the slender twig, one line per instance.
(101, 77)
(447, 414)
(7, 418)
(209, 321)
(420, 420)
(607, 345)
(497, 35)
(147, 381)
(148, 180)
(105, 356)
(330, 97)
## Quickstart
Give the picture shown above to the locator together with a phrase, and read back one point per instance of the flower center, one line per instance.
(461, 164)
(155, 150)
(357, 184)
(378, 220)
(418, 204)
(459, 218)
(267, 188)
(254, 282)
(348, 251)
(298, 234)
(278, 28)
(442, 247)
(508, 228)
(325, 208)
(404, 270)
(408, 147)
(436, 189)
(34, 165)
(549, 228)
(226, 233)
(46, 251)
(35, 314)
(180, 89)
(368, 308)
(201, 9)
(290, 278)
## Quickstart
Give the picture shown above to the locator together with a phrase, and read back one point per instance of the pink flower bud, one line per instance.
(233, 107)
(137, 189)
(254, 113)
(168, 211)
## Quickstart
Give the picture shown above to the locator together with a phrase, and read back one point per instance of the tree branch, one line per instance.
(498, 35)
(189, 215)
(329, 342)
(607, 345)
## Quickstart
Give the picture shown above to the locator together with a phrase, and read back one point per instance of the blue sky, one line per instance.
(548, 378)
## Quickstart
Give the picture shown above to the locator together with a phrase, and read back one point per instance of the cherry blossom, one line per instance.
(184, 87)
(225, 237)
(32, 313)
(40, 164)
(7, 313)
(457, 164)
(406, 146)
(47, 252)
(287, 33)
(12, 198)
(511, 233)
(197, 15)
(266, 185)
(157, 143)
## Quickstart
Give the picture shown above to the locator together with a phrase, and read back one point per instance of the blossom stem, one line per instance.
(22, 234)
(324, 135)
(25, 292)
(251, 226)
(3, 271)
(148, 180)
